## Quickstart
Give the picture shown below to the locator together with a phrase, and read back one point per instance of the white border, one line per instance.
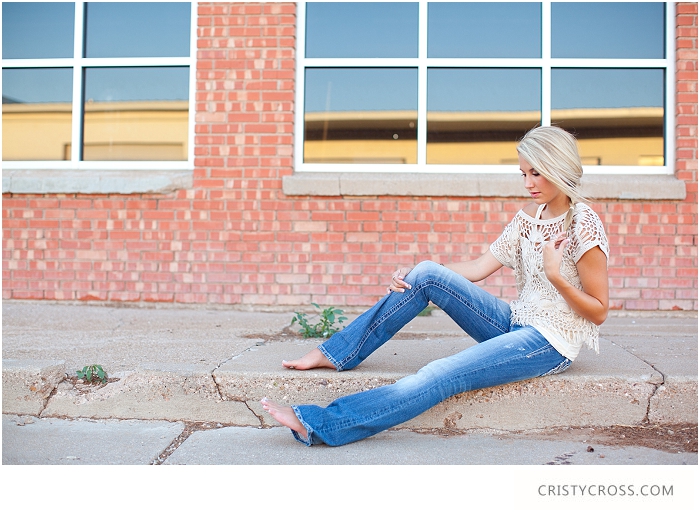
(546, 63)
(78, 64)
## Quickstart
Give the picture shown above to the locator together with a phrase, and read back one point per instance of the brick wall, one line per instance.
(235, 238)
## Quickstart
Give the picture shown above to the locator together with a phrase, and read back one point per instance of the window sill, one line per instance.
(638, 187)
(55, 181)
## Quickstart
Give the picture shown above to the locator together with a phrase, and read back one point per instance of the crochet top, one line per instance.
(539, 304)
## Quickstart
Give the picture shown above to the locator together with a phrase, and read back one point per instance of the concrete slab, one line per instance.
(671, 348)
(247, 446)
(121, 339)
(27, 384)
(153, 392)
(48, 441)
(202, 363)
(670, 323)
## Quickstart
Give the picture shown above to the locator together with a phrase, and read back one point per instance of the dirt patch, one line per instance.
(286, 335)
(669, 438)
(283, 335)
(83, 385)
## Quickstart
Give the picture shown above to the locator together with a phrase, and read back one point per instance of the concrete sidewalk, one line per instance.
(213, 365)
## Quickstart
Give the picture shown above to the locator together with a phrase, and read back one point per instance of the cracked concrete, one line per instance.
(204, 365)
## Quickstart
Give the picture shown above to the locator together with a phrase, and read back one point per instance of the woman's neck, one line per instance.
(556, 207)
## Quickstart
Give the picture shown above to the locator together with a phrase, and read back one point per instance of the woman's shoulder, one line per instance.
(584, 213)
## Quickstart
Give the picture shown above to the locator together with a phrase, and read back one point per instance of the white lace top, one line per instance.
(539, 303)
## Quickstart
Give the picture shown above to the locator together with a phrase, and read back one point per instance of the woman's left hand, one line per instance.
(552, 255)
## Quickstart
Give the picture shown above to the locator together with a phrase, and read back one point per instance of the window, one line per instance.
(451, 86)
(97, 84)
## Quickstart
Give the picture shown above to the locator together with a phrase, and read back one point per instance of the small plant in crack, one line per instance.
(92, 373)
(325, 327)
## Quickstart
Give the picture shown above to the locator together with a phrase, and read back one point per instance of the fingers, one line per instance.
(398, 285)
(560, 242)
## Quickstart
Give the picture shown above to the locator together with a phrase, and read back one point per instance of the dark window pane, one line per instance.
(476, 115)
(363, 29)
(608, 30)
(137, 29)
(617, 114)
(482, 29)
(37, 30)
(136, 113)
(360, 115)
(36, 113)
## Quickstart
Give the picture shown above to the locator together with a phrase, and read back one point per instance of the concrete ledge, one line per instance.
(58, 181)
(676, 402)
(153, 392)
(27, 384)
(652, 187)
(561, 401)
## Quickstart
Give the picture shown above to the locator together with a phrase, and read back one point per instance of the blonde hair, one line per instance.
(553, 153)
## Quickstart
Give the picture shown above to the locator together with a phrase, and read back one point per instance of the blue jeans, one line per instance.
(504, 354)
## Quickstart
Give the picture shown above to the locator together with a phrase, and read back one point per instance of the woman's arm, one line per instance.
(593, 302)
(473, 270)
(478, 269)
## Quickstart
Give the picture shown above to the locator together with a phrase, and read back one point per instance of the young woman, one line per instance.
(558, 249)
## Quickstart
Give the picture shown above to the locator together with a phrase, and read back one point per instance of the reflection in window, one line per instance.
(37, 30)
(136, 113)
(360, 115)
(361, 29)
(484, 29)
(36, 113)
(475, 116)
(608, 30)
(617, 114)
(137, 29)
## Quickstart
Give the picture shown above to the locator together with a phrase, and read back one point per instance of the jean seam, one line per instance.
(558, 368)
(411, 295)
(543, 349)
(329, 357)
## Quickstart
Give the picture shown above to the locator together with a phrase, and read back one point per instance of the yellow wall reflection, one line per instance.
(151, 130)
(36, 131)
(611, 136)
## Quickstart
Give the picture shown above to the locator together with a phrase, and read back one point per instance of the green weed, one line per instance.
(92, 373)
(325, 327)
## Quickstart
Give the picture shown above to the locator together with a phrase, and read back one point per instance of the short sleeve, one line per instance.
(588, 233)
(504, 248)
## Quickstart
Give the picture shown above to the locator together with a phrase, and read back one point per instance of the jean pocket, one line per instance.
(558, 368)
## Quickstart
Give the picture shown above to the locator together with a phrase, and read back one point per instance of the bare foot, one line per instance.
(314, 359)
(284, 415)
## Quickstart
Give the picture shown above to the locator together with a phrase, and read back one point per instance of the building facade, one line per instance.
(289, 183)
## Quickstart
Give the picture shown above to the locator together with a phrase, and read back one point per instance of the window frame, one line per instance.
(546, 63)
(78, 63)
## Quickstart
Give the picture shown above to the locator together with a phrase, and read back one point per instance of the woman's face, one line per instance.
(540, 188)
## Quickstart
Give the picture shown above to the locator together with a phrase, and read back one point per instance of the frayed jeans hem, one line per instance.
(308, 441)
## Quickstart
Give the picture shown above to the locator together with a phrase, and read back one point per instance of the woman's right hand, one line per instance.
(397, 283)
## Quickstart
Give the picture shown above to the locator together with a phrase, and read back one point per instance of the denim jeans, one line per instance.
(504, 354)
